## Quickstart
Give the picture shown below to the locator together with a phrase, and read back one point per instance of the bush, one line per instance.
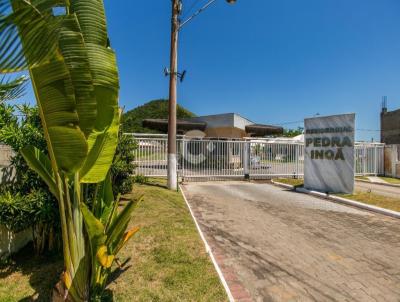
(141, 179)
(27, 202)
(19, 127)
(14, 212)
(36, 211)
(123, 168)
(293, 132)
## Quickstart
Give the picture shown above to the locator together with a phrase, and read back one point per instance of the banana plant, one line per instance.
(65, 47)
(107, 232)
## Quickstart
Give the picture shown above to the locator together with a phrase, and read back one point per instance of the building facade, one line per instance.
(226, 125)
(390, 126)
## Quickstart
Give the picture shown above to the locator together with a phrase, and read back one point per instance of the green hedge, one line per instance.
(19, 212)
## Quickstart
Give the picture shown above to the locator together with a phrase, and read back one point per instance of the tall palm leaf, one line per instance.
(12, 89)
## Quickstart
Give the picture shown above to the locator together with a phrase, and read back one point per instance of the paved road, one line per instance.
(393, 192)
(284, 246)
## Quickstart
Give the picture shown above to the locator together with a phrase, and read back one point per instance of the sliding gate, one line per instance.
(252, 158)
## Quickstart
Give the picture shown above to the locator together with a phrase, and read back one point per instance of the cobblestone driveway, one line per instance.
(276, 245)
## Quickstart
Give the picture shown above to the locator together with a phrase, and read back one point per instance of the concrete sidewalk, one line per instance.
(276, 245)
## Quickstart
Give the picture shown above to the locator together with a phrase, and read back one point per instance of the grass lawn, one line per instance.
(375, 200)
(165, 261)
(29, 278)
(364, 197)
(391, 180)
(291, 181)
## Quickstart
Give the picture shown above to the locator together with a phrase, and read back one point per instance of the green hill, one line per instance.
(132, 120)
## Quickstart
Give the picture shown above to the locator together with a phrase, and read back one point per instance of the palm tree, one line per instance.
(12, 89)
(64, 46)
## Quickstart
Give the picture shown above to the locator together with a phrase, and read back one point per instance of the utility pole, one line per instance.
(176, 25)
(172, 158)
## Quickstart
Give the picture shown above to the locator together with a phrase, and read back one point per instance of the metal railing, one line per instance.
(369, 159)
(276, 158)
(211, 159)
(250, 158)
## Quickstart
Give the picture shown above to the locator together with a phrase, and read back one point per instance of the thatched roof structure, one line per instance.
(181, 125)
(220, 122)
(263, 130)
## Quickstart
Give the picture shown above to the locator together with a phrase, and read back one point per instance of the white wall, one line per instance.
(6, 173)
(12, 242)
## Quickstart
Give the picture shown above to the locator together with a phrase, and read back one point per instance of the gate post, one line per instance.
(394, 160)
(183, 158)
(297, 155)
(246, 160)
(376, 160)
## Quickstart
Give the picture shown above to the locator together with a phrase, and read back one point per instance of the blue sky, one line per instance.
(271, 61)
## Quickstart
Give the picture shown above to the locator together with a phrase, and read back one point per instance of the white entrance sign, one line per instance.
(329, 153)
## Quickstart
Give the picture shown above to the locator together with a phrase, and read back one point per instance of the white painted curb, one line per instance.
(343, 200)
(286, 186)
(209, 251)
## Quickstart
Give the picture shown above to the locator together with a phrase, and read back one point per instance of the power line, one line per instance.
(369, 130)
(189, 10)
(302, 121)
(288, 123)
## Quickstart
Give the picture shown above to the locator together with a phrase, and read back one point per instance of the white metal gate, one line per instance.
(369, 159)
(250, 158)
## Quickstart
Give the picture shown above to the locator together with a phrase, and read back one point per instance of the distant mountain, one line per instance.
(132, 120)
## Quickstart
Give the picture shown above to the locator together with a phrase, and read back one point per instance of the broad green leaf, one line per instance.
(105, 215)
(40, 163)
(75, 55)
(106, 191)
(94, 228)
(71, 155)
(102, 149)
(113, 214)
(55, 96)
(103, 202)
(105, 79)
(119, 225)
(92, 20)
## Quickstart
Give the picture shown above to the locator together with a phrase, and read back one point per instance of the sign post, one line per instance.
(329, 153)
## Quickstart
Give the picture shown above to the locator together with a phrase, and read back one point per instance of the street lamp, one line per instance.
(176, 25)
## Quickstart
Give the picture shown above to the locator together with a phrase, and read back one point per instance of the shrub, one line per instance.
(36, 211)
(122, 168)
(141, 179)
(14, 212)
(27, 202)
(19, 127)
